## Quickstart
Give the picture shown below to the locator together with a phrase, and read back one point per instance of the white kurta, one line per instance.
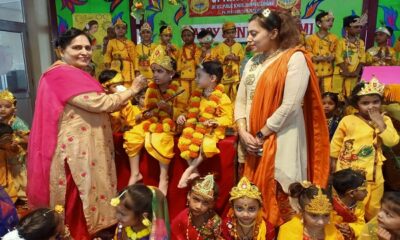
(287, 121)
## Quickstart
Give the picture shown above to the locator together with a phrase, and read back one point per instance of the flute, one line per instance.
(166, 100)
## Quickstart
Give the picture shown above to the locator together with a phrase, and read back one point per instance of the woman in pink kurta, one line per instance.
(71, 155)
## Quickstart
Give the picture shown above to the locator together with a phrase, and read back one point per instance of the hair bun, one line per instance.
(296, 189)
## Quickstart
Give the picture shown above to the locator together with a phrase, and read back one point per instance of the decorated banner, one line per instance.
(388, 15)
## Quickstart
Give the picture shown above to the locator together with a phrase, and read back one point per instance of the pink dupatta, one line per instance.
(57, 85)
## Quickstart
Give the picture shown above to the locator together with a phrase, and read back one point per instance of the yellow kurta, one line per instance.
(368, 232)
(212, 55)
(85, 144)
(125, 117)
(188, 59)
(351, 54)
(160, 51)
(323, 47)
(142, 60)
(293, 230)
(231, 77)
(121, 51)
(357, 145)
(158, 145)
(377, 56)
(6, 180)
(358, 211)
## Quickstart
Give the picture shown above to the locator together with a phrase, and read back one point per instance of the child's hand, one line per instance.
(383, 234)
(377, 118)
(163, 105)
(210, 123)
(346, 231)
(148, 114)
(181, 120)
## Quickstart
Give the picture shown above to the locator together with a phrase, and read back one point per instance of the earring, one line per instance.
(146, 222)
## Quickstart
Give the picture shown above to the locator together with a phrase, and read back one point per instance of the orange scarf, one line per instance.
(267, 99)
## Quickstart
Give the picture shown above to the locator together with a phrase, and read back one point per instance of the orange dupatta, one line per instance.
(267, 99)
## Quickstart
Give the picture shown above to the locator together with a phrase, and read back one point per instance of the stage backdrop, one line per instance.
(388, 11)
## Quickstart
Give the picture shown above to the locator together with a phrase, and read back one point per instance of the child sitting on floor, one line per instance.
(210, 112)
(199, 220)
(142, 213)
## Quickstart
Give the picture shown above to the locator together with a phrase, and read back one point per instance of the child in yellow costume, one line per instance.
(208, 51)
(21, 134)
(386, 226)
(313, 221)
(349, 56)
(349, 190)
(144, 51)
(230, 54)
(382, 54)
(357, 142)
(188, 59)
(120, 53)
(244, 219)
(322, 46)
(157, 132)
(165, 48)
(210, 112)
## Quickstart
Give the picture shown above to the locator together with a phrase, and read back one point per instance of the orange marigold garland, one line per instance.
(194, 131)
(161, 121)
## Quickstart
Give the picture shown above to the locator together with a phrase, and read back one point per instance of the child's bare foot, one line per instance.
(163, 186)
(185, 178)
(135, 178)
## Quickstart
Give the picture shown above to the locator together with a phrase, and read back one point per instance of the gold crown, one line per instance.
(328, 16)
(320, 204)
(373, 87)
(7, 95)
(119, 22)
(146, 27)
(360, 21)
(205, 187)
(116, 79)
(164, 61)
(245, 189)
(167, 30)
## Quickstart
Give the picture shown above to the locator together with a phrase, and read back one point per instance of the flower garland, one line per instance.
(137, 235)
(232, 225)
(161, 121)
(193, 134)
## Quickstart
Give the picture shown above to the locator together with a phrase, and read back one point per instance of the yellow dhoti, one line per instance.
(210, 145)
(134, 140)
(160, 146)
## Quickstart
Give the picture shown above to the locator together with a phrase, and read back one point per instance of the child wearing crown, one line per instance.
(199, 221)
(144, 51)
(357, 142)
(163, 103)
(349, 56)
(120, 53)
(382, 54)
(21, 134)
(230, 54)
(210, 112)
(165, 48)
(244, 219)
(313, 220)
(188, 59)
(322, 46)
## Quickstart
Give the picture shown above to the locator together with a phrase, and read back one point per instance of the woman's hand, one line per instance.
(138, 84)
(249, 141)
(181, 119)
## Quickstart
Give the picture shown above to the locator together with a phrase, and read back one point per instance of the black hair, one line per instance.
(288, 32)
(393, 200)
(162, 28)
(136, 98)
(390, 30)
(107, 75)
(320, 15)
(333, 96)
(304, 195)
(66, 38)
(346, 180)
(90, 24)
(213, 68)
(39, 224)
(349, 19)
(196, 180)
(355, 98)
(5, 129)
(204, 33)
(140, 199)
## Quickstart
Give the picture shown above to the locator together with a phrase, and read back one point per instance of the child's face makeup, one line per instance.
(203, 79)
(166, 38)
(187, 37)
(7, 109)
(327, 23)
(381, 37)
(315, 221)
(125, 216)
(146, 35)
(120, 30)
(230, 34)
(387, 218)
(246, 209)
(368, 102)
(328, 104)
(198, 205)
(161, 75)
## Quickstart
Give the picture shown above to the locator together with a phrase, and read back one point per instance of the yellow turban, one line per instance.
(7, 96)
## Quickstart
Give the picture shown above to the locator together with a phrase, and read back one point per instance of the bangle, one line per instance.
(241, 124)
